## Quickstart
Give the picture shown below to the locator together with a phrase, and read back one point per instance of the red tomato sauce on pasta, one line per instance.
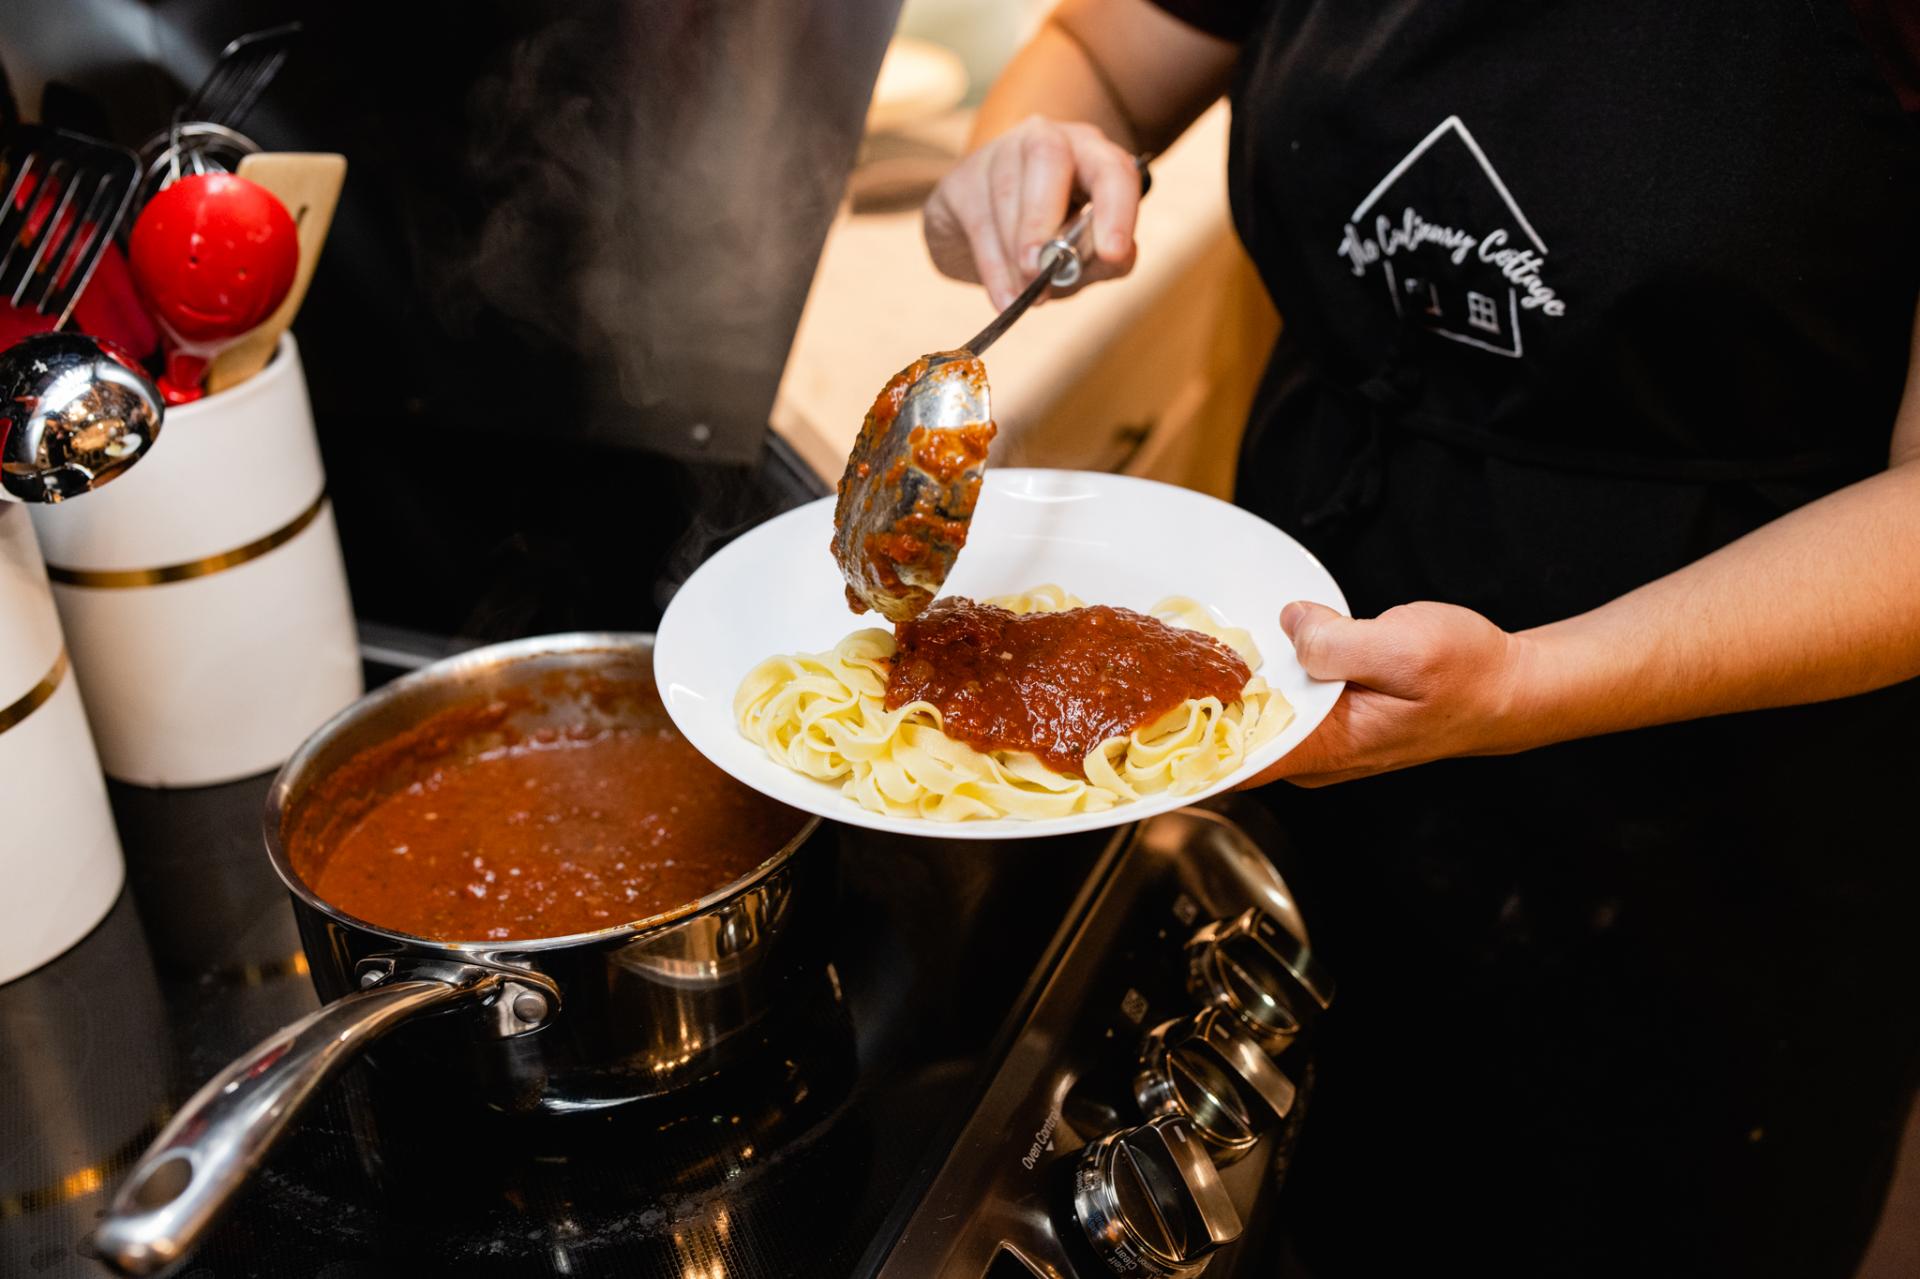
(1054, 684)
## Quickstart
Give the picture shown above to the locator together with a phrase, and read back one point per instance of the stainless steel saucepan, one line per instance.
(553, 1025)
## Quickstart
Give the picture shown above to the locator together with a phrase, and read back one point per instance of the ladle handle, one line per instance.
(204, 1155)
(1060, 266)
(1060, 260)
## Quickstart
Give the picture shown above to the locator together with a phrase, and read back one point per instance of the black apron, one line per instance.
(1575, 293)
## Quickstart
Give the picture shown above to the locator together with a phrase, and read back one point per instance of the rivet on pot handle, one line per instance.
(204, 1155)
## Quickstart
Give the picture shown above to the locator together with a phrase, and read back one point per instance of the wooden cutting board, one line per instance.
(308, 183)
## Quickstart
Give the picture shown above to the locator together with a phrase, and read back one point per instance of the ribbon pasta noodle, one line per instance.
(824, 715)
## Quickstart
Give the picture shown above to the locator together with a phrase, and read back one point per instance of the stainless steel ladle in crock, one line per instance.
(553, 1025)
(74, 413)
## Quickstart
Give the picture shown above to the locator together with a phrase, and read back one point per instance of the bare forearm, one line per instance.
(1823, 602)
(1124, 66)
(1053, 75)
(1820, 603)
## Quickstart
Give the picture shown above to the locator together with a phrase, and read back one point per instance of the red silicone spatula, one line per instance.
(212, 255)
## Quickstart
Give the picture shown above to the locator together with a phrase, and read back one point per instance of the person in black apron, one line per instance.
(1575, 295)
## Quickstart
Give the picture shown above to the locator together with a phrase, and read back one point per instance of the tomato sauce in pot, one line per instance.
(542, 834)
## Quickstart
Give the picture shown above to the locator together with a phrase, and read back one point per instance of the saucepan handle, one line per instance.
(194, 1166)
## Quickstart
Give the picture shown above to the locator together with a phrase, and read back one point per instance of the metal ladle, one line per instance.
(74, 414)
(912, 479)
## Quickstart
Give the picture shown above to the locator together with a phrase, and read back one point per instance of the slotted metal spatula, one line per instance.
(65, 196)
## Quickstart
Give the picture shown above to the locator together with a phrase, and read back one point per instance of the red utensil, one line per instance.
(108, 308)
(212, 255)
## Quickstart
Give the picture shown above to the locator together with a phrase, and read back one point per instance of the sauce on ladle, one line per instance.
(911, 483)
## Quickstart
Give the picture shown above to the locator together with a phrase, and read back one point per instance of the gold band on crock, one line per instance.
(34, 697)
(121, 578)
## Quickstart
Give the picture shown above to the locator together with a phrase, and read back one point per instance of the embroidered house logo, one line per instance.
(1451, 244)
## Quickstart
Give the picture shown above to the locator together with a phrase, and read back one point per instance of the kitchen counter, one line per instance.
(1149, 374)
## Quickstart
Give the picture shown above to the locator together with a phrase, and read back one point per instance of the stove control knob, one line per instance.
(1208, 1071)
(1151, 1202)
(1255, 970)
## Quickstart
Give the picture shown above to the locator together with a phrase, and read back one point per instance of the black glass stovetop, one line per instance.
(802, 1163)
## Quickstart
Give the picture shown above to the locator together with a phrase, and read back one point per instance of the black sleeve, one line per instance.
(1228, 19)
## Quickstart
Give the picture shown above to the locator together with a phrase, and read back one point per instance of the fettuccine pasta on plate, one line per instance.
(824, 715)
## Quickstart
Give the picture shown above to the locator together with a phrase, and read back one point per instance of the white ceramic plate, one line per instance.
(1109, 539)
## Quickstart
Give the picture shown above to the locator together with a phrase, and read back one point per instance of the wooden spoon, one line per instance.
(309, 185)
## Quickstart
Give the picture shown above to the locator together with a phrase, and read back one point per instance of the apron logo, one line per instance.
(1453, 248)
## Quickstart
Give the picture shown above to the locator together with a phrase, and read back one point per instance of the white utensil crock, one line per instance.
(60, 865)
(203, 594)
